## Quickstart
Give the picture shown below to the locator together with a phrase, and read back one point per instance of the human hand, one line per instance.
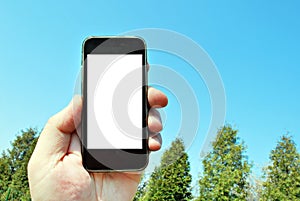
(55, 169)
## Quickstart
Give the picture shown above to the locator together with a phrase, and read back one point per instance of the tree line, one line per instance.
(226, 173)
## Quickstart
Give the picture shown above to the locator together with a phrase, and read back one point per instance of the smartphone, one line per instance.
(114, 131)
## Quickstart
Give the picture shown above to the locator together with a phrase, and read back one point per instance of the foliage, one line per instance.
(283, 174)
(225, 172)
(141, 191)
(172, 179)
(226, 169)
(13, 167)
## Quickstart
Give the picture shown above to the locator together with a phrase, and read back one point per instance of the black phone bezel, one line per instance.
(114, 159)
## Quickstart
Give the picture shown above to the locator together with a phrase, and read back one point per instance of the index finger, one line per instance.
(156, 98)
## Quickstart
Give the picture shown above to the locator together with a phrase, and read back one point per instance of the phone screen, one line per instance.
(107, 124)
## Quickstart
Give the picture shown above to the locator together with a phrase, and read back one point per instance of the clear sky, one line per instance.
(254, 44)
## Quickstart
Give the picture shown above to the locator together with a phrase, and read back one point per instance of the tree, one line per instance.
(13, 166)
(283, 174)
(5, 176)
(226, 169)
(172, 179)
(141, 191)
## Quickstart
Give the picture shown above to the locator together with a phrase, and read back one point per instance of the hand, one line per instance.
(55, 170)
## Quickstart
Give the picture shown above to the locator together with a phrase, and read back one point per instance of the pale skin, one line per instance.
(55, 170)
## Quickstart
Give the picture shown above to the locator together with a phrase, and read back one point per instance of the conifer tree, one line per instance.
(141, 191)
(172, 179)
(283, 174)
(226, 169)
(13, 167)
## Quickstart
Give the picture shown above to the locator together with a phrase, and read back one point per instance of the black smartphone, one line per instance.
(114, 131)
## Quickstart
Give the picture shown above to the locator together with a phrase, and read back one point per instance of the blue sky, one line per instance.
(254, 44)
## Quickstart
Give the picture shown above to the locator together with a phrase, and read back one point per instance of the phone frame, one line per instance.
(114, 160)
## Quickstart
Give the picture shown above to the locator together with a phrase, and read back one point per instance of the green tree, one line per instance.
(226, 169)
(141, 191)
(172, 179)
(13, 167)
(5, 176)
(283, 174)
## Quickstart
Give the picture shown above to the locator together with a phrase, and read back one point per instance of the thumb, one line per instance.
(55, 138)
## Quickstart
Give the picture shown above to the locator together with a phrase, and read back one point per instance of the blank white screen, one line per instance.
(104, 73)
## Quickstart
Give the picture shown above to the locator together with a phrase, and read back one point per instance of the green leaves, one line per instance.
(13, 167)
(171, 180)
(225, 172)
(226, 169)
(283, 174)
